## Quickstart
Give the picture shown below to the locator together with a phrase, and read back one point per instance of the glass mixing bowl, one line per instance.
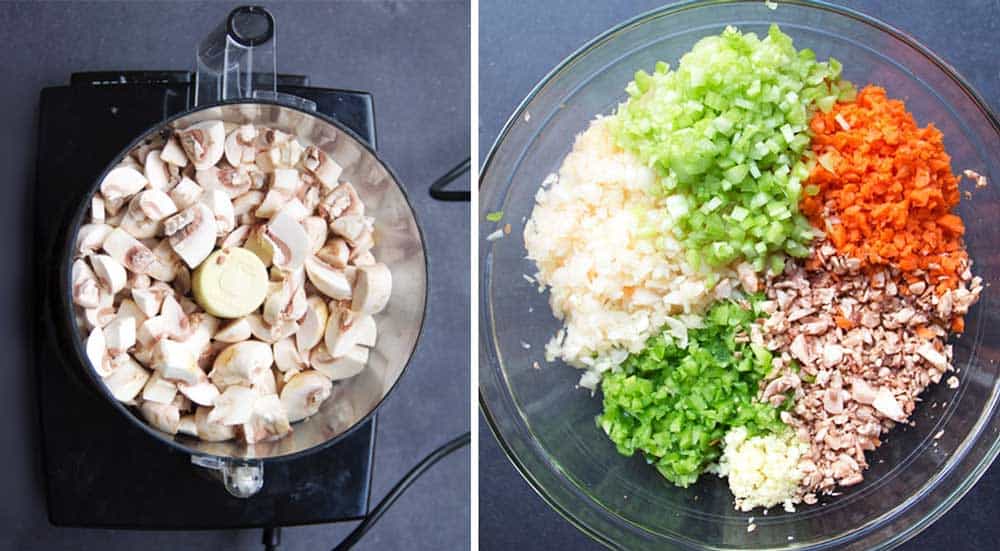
(546, 425)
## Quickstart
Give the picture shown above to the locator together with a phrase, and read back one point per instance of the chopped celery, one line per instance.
(728, 130)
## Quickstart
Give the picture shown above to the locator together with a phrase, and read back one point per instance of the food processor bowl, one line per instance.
(546, 424)
(236, 84)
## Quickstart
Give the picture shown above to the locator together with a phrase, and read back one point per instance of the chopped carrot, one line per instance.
(893, 190)
(924, 333)
(844, 323)
(958, 324)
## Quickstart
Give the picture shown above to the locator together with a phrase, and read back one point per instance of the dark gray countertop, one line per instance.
(519, 45)
(414, 58)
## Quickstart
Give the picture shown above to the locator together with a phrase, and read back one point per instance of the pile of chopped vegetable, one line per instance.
(884, 190)
(707, 176)
(728, 129)
(675, 404)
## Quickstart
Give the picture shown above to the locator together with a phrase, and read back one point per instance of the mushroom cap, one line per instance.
(268, 420)
(211, 431)
(270, 333)
(155, 204)
(240, 147)
(195, 241)
(126, 379)
(313, 325)
(159, 390)
(304, 393)
(204, 143)
(372, 289)
(330, 281)
(173, 153)
(91, 237)
(165, 417)
(156, 171)
(109, 272)
(234, 406)
(336, 369)
(202, 393)
(287, 357)
(86, 291)
(240, 363)
(122, 182)
(237, 330)
(97, 352)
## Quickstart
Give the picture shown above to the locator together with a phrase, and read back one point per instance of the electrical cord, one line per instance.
(438, 190)
(272, 535)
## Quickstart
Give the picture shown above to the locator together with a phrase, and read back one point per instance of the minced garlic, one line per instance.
(763, 471)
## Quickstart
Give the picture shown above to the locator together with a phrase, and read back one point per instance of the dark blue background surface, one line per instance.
(519, 43)
(414, 58)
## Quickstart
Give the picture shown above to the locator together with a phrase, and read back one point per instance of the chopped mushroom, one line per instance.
(141, 260)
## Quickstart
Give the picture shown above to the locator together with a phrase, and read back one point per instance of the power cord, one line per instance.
(272, 535)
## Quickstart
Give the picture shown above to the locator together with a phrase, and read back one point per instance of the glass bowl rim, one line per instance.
(898, 538)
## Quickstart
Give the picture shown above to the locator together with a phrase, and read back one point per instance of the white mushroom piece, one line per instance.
(126, 379)
(86, 292)
(347, 329)
(304, 393)
(156, 171)
(204, 143)
(288, 241)
(322, 166)
(121, 183)
(173, 153)
(128, 251)
(330, 281)
(241, 364)
(240, 147)
(235, 331)
(165, 417)
(313, 325)
(372, 289)
(213, 431)
(109, 272)
(97, 352)
(192, 233)
(344, 367)
(233, 407)
(268, 420)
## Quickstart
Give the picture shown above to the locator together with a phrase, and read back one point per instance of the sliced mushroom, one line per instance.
(362, 258)
(222, 207)
(233, 407)
(119, 335)
(336, 253)
(366, 330)
(165, 417)
(91, 237)
(356, 230)
(288, 240)
(304, 393)
(168, 265)
(211, 431)
(346, 329)
(194, 241)
(286, 180)
(97, 352)
(268, 333)
(136, 223)
(149, 300)
(128, 251)
(202, 392)
(202, 328)
(121, 183)
(109, 272)
(341, 201)
(103, 313)
(151, 332)
(278, 301)
(372, 289)
(322, 166)
(236, 238)
(247, 203)
(230, 180)
(240, 363)
(203, 142)
(188, 426)
(264, 382)
(97, 209)
(330, 281)
(235, 331)
(310, 198)
(86, 290)
(185, 193)
(158, 389)
(156, 171)
(126, 379)
(240, 146)
(313, 325)
(173, 153)
(286, 357)
(156, 204)
(316, 229)
(336, 369)
(273, 201)
(177, 319)
(129, 309)
(175, 362)
(268, 420)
